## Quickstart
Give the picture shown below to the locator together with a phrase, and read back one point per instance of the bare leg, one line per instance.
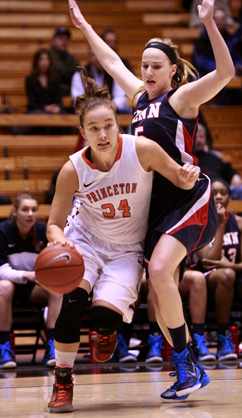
(221, 283)
(39, 295)
(6, 297)
(193, 286)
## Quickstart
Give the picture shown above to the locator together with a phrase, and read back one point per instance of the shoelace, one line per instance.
(201, 342)
(227, 341)
(182, 368)
(158, 343)
(62, 393)
(6, 349)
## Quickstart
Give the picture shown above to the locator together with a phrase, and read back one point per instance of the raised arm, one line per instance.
(107, 57)
(204, 89)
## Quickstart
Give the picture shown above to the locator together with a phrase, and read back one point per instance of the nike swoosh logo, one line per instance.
(60, 257)
(89, 184)
(72, 300)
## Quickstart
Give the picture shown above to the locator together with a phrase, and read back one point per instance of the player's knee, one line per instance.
(105, 320)
(68, 324)
(6, 290)
(75, 303)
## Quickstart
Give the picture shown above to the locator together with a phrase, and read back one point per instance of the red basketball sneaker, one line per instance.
(61, 400)
(104, 346)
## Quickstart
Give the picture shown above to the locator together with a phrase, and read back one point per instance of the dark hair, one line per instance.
(225, 183)
(35, 68)
(94, 96)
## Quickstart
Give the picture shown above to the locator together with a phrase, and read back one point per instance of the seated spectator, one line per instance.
(212, 165)
(21, 239)
(196, 22)
(97, 72)
(193, 291)
(65, 64)
(111, 38)
(204, 61)
(43, 94)
(42, 85)
(224, 274)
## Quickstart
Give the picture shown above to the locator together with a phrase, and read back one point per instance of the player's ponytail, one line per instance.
(94, 96)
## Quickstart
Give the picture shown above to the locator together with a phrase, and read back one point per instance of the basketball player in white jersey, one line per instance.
(112, 178)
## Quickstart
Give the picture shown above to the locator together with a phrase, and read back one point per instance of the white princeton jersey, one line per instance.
(114, 205)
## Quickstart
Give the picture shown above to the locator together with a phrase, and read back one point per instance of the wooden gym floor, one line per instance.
(112, 390)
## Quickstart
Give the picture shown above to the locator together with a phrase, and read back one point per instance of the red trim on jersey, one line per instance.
(120, 147)
(87, 161)
(188, 140)
(118, 156)
(198, 218)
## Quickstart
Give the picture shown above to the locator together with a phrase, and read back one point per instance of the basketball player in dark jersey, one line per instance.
(224, 278)
(167, 108)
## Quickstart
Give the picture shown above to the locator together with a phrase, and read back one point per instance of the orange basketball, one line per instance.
(59, 269)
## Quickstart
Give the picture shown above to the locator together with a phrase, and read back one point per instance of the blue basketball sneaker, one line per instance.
(188, 377)
(122, 353)
(155, 351)
(200, 349)
(226, 348)
(6, 356)
(49, 359)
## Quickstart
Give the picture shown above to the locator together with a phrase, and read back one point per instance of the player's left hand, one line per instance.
(205, 10)
(76, 16)
(188, 174)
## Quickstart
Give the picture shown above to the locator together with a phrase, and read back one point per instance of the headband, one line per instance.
(165, 48)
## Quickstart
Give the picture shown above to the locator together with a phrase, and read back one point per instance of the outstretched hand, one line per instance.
(188, 175)
(205, 10)
(76, 16)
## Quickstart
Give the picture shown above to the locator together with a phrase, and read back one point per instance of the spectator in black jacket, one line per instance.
(65, 64)
(212, 164)
(42, 85)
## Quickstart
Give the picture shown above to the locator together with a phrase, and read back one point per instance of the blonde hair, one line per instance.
(185, 70)
(94, 96)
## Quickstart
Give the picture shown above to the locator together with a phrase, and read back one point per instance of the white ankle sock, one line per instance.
(65, 358)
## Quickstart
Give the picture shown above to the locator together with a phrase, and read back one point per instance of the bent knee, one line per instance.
(228, 277)
(6, 289)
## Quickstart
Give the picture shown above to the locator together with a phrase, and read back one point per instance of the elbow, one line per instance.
(230, 73)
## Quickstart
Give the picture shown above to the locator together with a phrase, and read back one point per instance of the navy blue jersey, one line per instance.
(180, 213)
(231, 239)
(157, 120)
